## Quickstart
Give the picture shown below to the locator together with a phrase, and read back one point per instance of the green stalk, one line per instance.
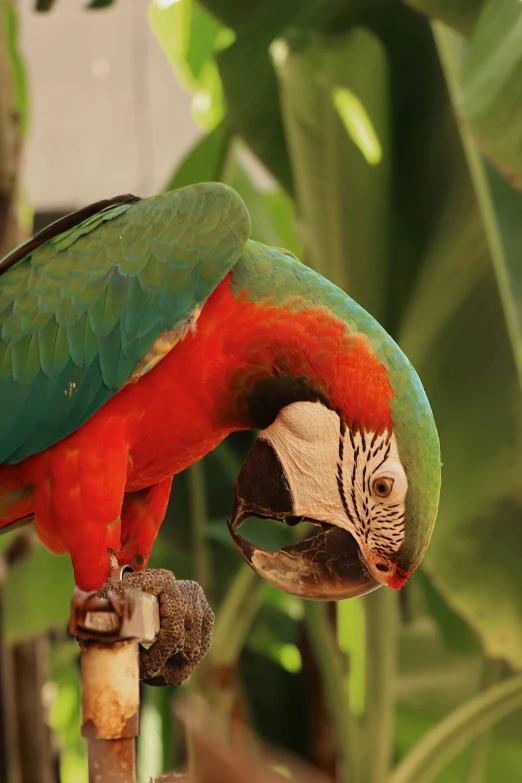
(198, 501)
(452, 734)
(480, 749)
(235, 616)
(234, 619)
(381, 662)
(345, 724)
(351, 638)
(479, 757)
(450, 49)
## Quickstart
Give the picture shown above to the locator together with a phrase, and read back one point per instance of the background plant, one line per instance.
(393, 141)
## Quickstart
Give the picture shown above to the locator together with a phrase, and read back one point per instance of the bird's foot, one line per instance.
(186, 622)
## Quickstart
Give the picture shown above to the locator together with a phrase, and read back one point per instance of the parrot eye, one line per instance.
(383, 486)
(389, 484)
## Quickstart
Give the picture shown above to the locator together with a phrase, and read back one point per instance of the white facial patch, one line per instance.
(352, 480)
(373, 487)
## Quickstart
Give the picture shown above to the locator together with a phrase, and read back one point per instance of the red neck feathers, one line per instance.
(239, 343)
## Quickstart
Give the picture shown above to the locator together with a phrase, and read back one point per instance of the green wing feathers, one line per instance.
(81, 309)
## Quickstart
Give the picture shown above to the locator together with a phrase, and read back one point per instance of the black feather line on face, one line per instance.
(353, 492)
(384, 525)
(340, 485)
(386, 455)
(271, 395)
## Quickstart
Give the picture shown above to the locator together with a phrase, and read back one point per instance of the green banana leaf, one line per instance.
(490, 94)
(459, 14)
(205, 161)
(487, 89)
(334, 98)
(189, 37)
(37, 594)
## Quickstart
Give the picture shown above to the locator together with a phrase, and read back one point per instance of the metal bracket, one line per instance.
(134, 615)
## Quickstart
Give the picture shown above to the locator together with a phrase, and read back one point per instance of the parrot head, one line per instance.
(347, 442)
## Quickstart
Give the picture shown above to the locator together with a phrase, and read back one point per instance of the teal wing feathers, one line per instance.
(79, 309)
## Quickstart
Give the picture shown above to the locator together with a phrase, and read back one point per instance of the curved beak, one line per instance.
(324, 567)
(327, 566)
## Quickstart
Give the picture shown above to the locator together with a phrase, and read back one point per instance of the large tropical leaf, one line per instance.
(460, 14)
(490, 98)
(248, 77)
(477, 352)
(189, 37)
(334, 99)
(487, 80)
(205, 161)
(455, 335)
(466, 338)
(37, 595)
(272, 211)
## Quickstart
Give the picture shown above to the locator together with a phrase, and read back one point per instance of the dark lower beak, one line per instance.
(327, 566)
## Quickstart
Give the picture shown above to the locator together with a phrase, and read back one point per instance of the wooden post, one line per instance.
(109, 631)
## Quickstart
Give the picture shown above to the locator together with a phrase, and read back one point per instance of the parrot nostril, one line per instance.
(382, 567)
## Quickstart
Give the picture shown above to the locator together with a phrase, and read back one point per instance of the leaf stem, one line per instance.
(234, 618)
(486, 182)
(214, 676)
(480, 749)
(381, 661)
(345, 724)
(452, 734)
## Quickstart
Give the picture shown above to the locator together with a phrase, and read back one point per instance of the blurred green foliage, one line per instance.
(372, 123)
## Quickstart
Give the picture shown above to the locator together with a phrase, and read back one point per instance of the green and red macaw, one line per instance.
(136, 334)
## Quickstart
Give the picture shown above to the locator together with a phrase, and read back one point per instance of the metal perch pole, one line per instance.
(110, 630)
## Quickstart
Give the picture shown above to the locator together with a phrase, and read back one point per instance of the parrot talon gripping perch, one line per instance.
(109, 625)
(182, 629)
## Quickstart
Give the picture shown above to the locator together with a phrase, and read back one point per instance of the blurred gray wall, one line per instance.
(107, 115)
